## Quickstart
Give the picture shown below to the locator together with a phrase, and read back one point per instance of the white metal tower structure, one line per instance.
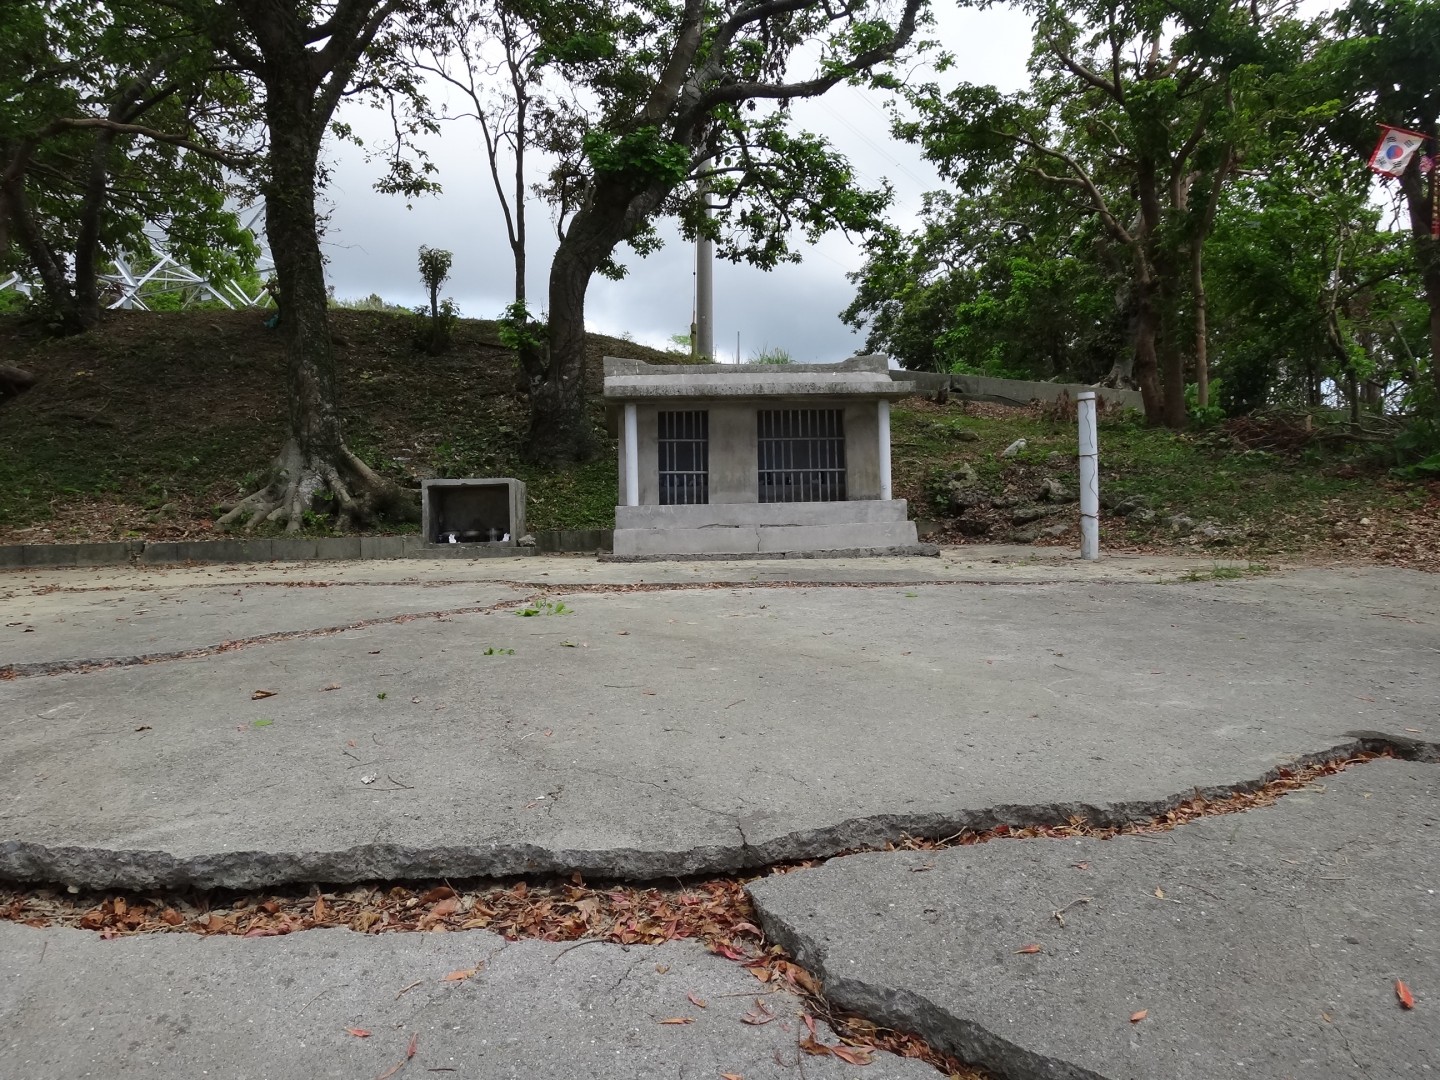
(132, 281)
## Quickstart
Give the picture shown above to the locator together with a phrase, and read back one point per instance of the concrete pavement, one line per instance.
(181, 1007)
(1262, 944)
(381, 721)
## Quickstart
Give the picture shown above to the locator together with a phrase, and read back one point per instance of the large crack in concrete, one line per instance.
(102, 868)
(102, 663)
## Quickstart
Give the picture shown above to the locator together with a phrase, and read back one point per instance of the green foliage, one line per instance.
(491, 650)
(1205, 415)
(642, 156)
(519, 329)
(544, 607)
(434, 269)
(1003, 283)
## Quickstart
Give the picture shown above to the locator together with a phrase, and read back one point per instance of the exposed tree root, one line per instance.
(14, 382)
(347, 488)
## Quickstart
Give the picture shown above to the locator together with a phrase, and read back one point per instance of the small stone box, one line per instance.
(478, 511)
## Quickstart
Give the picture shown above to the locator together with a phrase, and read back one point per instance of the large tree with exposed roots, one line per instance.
(307, 57)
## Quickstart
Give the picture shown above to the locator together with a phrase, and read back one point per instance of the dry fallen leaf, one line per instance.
(447, 906)
(1135, 1018)
(760, 1014)
(1081, 865)
(332, 686)
(1029, 949)
(731, 1076)
(1159, 892)
(461, 976)
(414, 1045)
(1407, 999)
(811, 1046)
(258, 694)
(855, 1055)
(359, 1033)
(699, 1003)
(679, 1020)
(662, 969)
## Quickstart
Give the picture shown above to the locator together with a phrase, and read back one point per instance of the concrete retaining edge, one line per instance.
(1012, 391)
(289, 549)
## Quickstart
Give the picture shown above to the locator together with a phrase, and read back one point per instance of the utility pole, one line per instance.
(703, 333)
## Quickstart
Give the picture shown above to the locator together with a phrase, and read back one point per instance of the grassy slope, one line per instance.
(145, 425)
(182, 411)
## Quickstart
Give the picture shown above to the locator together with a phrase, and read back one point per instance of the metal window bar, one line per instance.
(684, 444)
(802, 455)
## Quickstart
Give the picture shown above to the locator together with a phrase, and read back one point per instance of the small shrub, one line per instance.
(1212, 413)
(437, 325)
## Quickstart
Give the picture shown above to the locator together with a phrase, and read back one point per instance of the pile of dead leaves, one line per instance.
(715, 912)
(1200, 805)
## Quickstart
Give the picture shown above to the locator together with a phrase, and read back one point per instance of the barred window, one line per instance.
(684, 458)
(802, 455)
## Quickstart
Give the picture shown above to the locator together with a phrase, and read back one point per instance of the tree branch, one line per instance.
(1097, 200)
(224, 157)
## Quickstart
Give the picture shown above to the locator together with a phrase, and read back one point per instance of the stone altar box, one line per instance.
(479, 511)
(748, 459)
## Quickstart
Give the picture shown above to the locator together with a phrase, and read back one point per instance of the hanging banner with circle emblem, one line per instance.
(1394, 150)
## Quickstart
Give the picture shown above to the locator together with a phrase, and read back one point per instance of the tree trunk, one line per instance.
(1146, 370)
(1432, 298)
(14, 382)
(559, 428)
(304, 314)
(52, 272)
(87, 243)
(1172, 360)
(1202, 345)
(1419, 200)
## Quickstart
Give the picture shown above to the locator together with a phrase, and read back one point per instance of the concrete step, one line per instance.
(748, 539)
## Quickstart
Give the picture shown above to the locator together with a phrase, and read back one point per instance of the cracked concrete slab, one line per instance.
(661, 733)
(179, 1007)
(1264, 944)
(65, 625)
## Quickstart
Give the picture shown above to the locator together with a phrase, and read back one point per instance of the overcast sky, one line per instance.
(372, 238)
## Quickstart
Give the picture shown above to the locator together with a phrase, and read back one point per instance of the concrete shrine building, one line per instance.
(756, 459)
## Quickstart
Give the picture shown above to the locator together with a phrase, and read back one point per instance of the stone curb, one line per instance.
(287, 549)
